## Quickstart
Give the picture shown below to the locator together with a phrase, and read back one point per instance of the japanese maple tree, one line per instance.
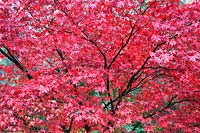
(86, 65)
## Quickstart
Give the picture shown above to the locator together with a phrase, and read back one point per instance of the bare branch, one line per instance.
(171, 103)
(87, 37)
(59, 52)
(67, 130)
(148, 8)
(160, 67)
(147, 59)
(123, 46)
(95, 44)
(101, 52)
(13, 59)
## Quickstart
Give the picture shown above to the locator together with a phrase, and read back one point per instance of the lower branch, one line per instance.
(13, 59)
(169, 105)
(67, 130)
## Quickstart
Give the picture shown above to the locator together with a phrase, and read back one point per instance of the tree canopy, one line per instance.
(100, 65)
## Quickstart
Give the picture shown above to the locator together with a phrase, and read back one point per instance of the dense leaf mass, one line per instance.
(86, 65)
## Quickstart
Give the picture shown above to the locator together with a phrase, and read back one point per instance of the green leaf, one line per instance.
(136, 127)
(131, 100)
(94, 93)
(158, 129)
(41, 117)
(115, 92)
(81, 84)
(129, 128)
(96, 131)
(136, 91)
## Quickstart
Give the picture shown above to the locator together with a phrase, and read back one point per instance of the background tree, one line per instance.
(100, 65)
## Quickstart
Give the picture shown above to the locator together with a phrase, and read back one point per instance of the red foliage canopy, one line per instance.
(98, 65)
